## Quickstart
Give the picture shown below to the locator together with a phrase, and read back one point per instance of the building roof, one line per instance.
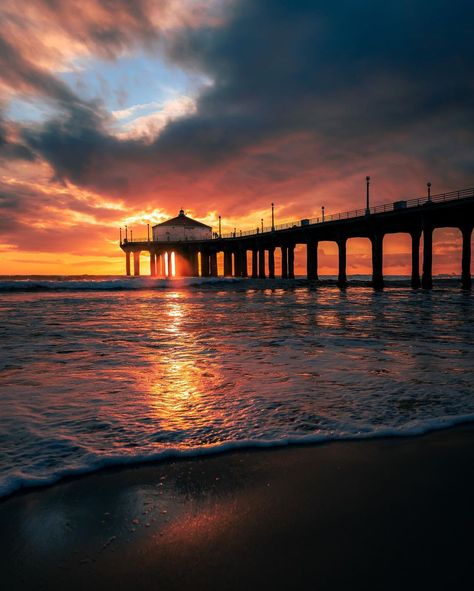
(182, 220)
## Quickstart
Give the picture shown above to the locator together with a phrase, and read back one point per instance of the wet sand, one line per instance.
(376, 514)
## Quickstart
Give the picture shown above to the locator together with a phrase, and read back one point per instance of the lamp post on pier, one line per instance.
(367, 206)
(131, 235)
(120, 235)
(261, 224)
(322, 212)
(148, 232)
(220, 228)
(126, 233)
(429, 190)
(273, 217)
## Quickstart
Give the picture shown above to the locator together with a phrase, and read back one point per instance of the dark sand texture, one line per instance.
(379, 514)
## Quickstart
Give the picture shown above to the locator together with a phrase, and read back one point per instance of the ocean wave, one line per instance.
(16, 482)
(123, 284)
(151, 283)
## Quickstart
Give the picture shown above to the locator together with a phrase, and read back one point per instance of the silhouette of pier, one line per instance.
(416, 217)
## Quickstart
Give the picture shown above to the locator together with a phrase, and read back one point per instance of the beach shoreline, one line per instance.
(383, 513)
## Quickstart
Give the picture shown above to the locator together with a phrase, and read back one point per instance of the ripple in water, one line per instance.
(91, 378)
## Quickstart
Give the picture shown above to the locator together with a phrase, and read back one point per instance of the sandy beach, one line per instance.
(380, 514)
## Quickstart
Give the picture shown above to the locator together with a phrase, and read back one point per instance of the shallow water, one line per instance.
(89, 378)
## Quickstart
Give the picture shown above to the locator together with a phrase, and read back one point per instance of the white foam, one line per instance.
(16, 482)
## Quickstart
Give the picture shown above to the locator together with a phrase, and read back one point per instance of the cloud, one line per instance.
(149, 125)
(304, 93)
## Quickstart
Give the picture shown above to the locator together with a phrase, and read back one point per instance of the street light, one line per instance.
(148, 232)
(367, 207)
(220, 228)
(261, 224)
(273, 217)
(126, 233)
(429, 191)
(131, 235)
(322, 210)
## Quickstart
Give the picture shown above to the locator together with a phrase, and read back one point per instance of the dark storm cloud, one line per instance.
(344, 72)
(10, 149)
(298, 86)
(22, 75)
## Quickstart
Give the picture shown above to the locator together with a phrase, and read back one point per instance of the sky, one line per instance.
(117, 112)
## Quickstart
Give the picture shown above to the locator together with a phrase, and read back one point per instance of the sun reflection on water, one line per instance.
(181, 378)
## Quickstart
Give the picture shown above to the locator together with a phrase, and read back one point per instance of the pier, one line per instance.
(417, 217)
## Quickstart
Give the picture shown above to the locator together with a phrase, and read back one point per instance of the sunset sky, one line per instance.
(118, 112)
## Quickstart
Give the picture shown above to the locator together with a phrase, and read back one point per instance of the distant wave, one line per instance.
(16, 482)
(35, 284)
(123, 284)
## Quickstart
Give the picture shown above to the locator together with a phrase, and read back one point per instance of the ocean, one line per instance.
(110, 371)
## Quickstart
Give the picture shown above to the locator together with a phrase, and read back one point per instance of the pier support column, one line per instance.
(243, 263)
(312, 260)
(127, 263)
(342, 276)
(291, 261)
(261, 263)
(136, 264)
(415, 259)
(170, 265)
(227, 263)
(152, 264)
(194, 264)
(237, 264)
(159, 265)
(254, 263)
(205, 264)
(427, 277)
(377, 261)
(284, 262)
(213, 264)
(271, 262)
(466, 280)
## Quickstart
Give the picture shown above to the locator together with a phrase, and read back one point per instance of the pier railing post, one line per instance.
(466, 280)
(427, 277)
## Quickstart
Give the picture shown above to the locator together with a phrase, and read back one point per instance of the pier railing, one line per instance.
(355, 213)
